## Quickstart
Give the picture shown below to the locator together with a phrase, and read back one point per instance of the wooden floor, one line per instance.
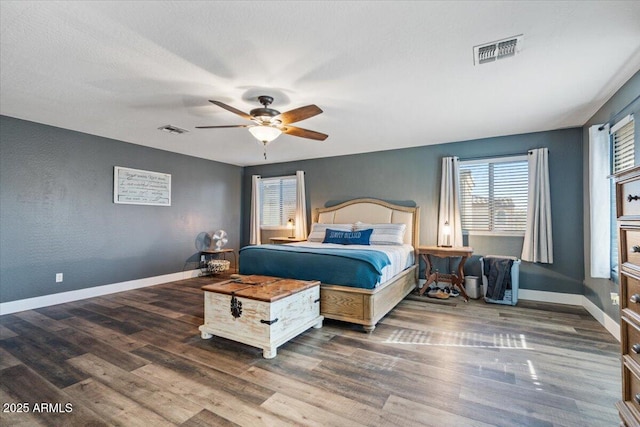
(136, 358)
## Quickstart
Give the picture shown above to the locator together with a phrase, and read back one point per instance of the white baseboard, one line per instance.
(605, 320)
(546, 296)
(62, 297)
(574, 299)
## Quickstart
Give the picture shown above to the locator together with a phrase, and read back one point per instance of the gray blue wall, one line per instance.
(619, 105)
(414, 174)
(57, 213)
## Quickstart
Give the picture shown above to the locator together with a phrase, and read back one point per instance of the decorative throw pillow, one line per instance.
(347, 237)
(318, 230)
(384, 234)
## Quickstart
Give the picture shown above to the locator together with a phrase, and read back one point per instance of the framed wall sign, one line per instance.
(140, 187)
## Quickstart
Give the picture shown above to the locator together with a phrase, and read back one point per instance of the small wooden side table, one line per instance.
(445, 252)
(224, 253)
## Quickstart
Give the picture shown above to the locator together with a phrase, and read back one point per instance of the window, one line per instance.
(494, 194)
(622, 144)
(622, 157)
(278, 196)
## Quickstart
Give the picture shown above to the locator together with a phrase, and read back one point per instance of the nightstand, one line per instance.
(282, 240)
(219, 253)
(456, 279)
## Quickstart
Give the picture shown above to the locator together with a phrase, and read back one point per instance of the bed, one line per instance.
(361, 301)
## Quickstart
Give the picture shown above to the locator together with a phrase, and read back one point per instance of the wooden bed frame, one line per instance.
(367, 306)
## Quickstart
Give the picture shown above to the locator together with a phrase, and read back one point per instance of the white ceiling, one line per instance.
(387, 74)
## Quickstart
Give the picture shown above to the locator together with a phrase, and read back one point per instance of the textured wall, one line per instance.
(57, 212)
(598, 290)
(414, 174)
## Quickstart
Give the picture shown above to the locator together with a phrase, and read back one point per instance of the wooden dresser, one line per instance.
(628, 214)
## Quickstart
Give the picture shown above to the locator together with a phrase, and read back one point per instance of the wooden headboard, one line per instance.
(373, 211)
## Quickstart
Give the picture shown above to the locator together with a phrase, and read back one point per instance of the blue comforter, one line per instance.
(361, 268)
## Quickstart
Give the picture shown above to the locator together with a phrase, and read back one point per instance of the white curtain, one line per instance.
(538, 242)
(301, 207)
(254, 235)
(449, 214)
(599, 202)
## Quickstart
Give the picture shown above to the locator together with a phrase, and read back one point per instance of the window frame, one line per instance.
(614, 250)
(494, 160)
(284, 225)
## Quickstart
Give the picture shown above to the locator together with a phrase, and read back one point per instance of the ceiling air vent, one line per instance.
(500, 49)
(172, 129)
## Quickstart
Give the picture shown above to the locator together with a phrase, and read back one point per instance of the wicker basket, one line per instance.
(217, 265)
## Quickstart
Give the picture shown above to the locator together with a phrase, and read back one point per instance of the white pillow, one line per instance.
(384, 234)
(318, 230)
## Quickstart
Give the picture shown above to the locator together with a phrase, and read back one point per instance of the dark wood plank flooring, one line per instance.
(136, 358)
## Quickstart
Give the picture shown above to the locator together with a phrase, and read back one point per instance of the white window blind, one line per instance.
(278, 197)
(623, 144)
(494, 195)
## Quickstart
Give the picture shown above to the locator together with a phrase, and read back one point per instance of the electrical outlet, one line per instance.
(58, 277)
(615, 298)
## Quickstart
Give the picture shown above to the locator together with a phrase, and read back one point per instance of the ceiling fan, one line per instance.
(270, 123)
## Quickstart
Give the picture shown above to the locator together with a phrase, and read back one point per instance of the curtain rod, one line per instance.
(280, 176)
(494, 157)
(615, 116)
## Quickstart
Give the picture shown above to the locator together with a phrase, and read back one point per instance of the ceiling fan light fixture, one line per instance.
(265, 134)
(270, 123)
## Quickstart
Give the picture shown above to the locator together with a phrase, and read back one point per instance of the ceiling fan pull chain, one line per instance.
(265, 150)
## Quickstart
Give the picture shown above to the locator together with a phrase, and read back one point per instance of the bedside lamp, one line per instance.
(446, 230)
(291, 225)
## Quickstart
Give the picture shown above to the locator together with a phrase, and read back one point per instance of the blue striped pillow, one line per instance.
(318, 230)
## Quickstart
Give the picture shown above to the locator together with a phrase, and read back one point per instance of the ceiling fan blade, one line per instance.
(231, 109)
(299, 114)
(304, 133)
(225, 126)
